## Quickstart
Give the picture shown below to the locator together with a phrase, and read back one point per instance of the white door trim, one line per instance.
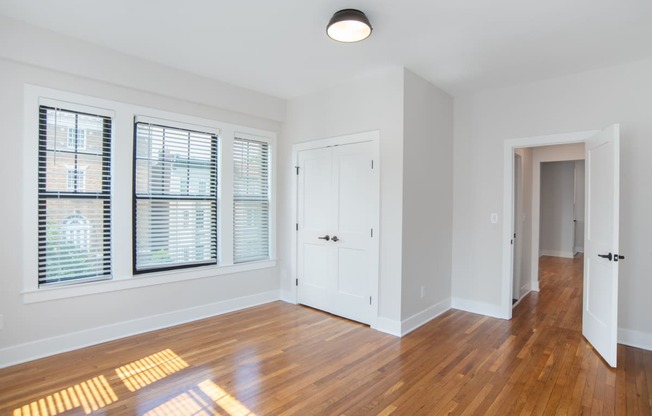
(369, 136)
(508, 201)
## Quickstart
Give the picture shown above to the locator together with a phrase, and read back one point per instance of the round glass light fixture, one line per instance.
(349, 25)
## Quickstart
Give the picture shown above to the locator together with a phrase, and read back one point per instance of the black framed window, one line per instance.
(74, 196)
(250, 200)
(175, 197)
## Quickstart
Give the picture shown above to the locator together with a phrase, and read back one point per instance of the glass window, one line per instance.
(74, 213)
(250, 200)
(175, 185)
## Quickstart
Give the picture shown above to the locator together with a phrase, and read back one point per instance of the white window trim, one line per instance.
(123, 116)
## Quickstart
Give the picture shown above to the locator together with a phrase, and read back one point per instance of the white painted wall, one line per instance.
(580, 102)
(427, 199)
(34, 56)
(557, 233)
(374, 102)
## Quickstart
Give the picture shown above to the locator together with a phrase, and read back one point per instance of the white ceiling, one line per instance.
(280, 47)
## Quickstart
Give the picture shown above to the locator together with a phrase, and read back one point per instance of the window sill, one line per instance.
(141, 280)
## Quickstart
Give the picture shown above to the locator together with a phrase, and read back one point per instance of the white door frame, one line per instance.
(369, 136)
(508, 207)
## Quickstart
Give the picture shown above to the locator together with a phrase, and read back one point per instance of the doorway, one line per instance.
(600, 296)
(546, 204)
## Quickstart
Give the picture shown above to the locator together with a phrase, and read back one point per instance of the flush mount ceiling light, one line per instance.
(349, 25)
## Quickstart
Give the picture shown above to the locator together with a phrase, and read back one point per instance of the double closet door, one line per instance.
(337, 252)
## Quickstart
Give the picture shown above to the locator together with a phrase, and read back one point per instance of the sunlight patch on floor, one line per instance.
(90, 395)
(147, 370)
(202, 400)
(224, 399)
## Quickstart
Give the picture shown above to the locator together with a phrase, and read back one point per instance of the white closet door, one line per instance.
(337, 198)
(317, 221)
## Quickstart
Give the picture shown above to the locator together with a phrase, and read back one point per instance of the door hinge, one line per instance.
(372, 163)
(370, 300)
(297, 168)
(296, 282)
(372, 233)
(297, 227)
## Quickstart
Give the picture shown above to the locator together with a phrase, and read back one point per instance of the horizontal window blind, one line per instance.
(74, 196)
(175, 193)
(250, 200)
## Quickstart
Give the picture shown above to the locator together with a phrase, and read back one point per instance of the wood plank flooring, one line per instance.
(280, 359)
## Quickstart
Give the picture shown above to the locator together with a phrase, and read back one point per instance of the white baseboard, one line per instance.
(62, 343)
(481, 308)
(635, 339)
(388, 326)
(578, 249)
(410, 324)
(556, 253)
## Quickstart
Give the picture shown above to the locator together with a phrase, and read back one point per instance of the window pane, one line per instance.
(175, 183)
(250, 200)
(170, 232)
(75, 242)
(74, 197)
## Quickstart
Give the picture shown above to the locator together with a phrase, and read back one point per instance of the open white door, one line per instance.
(601, 252)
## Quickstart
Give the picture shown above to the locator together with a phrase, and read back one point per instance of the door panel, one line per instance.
(316, 188)
(352, 265)
(600, 306)
(355, 201)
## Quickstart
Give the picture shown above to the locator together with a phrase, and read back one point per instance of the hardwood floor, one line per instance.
(280, 359)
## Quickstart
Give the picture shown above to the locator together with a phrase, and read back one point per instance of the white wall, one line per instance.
(427, 200)
(373, 102)
(33, 56)
(556, 237)
(580, 102)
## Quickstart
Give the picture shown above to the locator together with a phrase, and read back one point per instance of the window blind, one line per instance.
(250, 200)
(175, 194)
(74, 196)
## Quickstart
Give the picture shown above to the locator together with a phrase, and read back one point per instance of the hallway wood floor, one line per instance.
(281, 359)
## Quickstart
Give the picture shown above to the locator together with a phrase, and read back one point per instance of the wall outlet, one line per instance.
(423, 291)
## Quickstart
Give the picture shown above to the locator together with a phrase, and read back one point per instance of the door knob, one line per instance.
(605, 256)
(335, 239)
(327, 237)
